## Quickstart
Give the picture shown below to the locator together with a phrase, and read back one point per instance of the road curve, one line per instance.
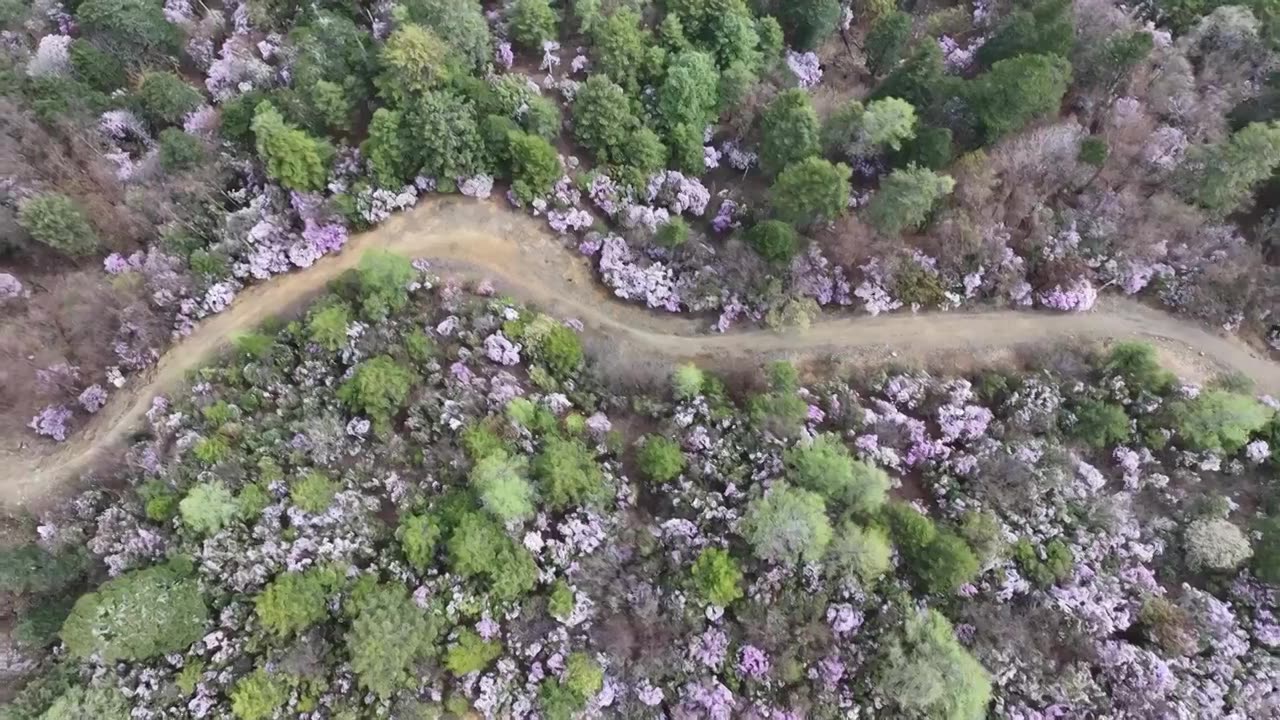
(523, 258)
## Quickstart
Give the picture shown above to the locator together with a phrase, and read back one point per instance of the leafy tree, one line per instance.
(561, 600)
(378, 388)
(685, 145)
(313, 492)
(97, 69)
(647, 155)
(735, 82)
(1046, 28)
(810, 192)
(1218, 420)
(1101, 424)
(788, 525)
(1110, 64)
(660, 458)
(129, 28)
(555, 345)
(136, 616)
(1017, 91)
(860, 553)
(602, 119)
(30, 569)
(906, 198)
(690, 92)
(295, 601)
(772, 40)
(725, 27)
(180, 151)
(1216, 544)
(55, 220)
(535, 166)
(982, 531)
(790, 130)
(687, 381)
(78, 703)
(673, 233)
(775, 240)
(471, 653)
(500, 481)
(825, 467)
(621, 44)
(297, 160)
(569, 474)
(479, 547)
(1093, 151)
(166, 98)
(384, 278)
(1221, 177)
(930, 148)
(809, 22)
(717, 577)
(946, 564)
(924, 672)
(415, 61)
(1055, 566)
(912, 531)
(328, 327)
(1137, 365)
(566, 698)
(456, 149)
(886, 123)
(887, 41)
(419, 534)
(461, 23)
(391, 156)
(388, 634)
(533, 22)
(208, 507)
(919, 80)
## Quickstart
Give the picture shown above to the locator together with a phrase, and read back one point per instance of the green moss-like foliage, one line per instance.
(862, 554)
(328, 326)
(1101, 424)
(1054, 567)
(208, 507)
(1218, 420)
(419, 535)
(258, 696)
(313, 492)
(89, 704)
(500, 481)
(136, 616)
(471, 653)
(55, 220)
(378, 388)
(295, 601)
(687, 381)
(826, 467)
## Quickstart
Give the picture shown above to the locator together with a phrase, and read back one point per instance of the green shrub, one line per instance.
(313, 492)
(470, 653)
(673, 233)
(500, 481)
(54, 220)
(384, 278)
(328, 327)
(130, 27)
(569, 475)
(30, 569)
(717, 577)
(419, 535)
(295, 601)
(1101, 424)
(38, 626)
(825, 467)
(1055, 567)
(1137, 365)
(981, 530)
(136, 616)
(810, 192)
(532, 23)
(775, 240)
(791, 131)
(561, 601)
(787, 525)
(258, 696)
(180, 151)
(208, 507)
(860, 554)
(378, 388)
(78, 703)
(1218, 420)
(388, 634)
(947, 563)
(1266, 553)
(478, 547)
(583, 678)
(535, 166)
(296, 159)
(97, 69)
(924, 672)
(686, 381)
(166, 98)
(660, 458)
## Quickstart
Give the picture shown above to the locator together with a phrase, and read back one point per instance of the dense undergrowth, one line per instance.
(417, 501)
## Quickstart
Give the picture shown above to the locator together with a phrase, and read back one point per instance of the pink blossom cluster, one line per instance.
(631, 280)
(476, 186)
(92, 398)
(678, 193)
(957, 57)
(236, 71)
(872, 291)
(806, 68)
(52, 57)
(501, 350)
(10, 287)
(813, 275)
(52, 422)
(1079, 297)
(504, 56)
(569, 221)
(726, 217)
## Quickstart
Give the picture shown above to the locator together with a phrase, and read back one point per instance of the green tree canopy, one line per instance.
(825, 466)
(208, 507)
(500, 481)
(1018, 90)
(689, 94)
(295, 601)
(787, 526)
(887, 41)
(55, 220)
(1218, 420)
(414, 61)
(388, 634)
(809, 22)
(378, 388)
(294, 158)
(717, 577)
(810, 192)
(906, 198)
(535, 166)
(136, 616)
(1046, 28)
(569, 475)
(925, 672)
(1221, 177)
(790, 130)
(533, 22)
(602, 120)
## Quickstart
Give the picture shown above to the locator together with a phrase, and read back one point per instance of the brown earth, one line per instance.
(518, 253)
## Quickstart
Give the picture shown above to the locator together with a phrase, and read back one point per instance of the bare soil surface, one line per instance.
(482, 240)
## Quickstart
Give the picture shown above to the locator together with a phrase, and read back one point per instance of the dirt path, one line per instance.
(524, 259)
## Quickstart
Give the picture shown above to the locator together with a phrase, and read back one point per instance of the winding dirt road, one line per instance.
(519, 254)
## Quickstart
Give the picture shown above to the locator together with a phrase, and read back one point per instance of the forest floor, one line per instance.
(524, 259)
